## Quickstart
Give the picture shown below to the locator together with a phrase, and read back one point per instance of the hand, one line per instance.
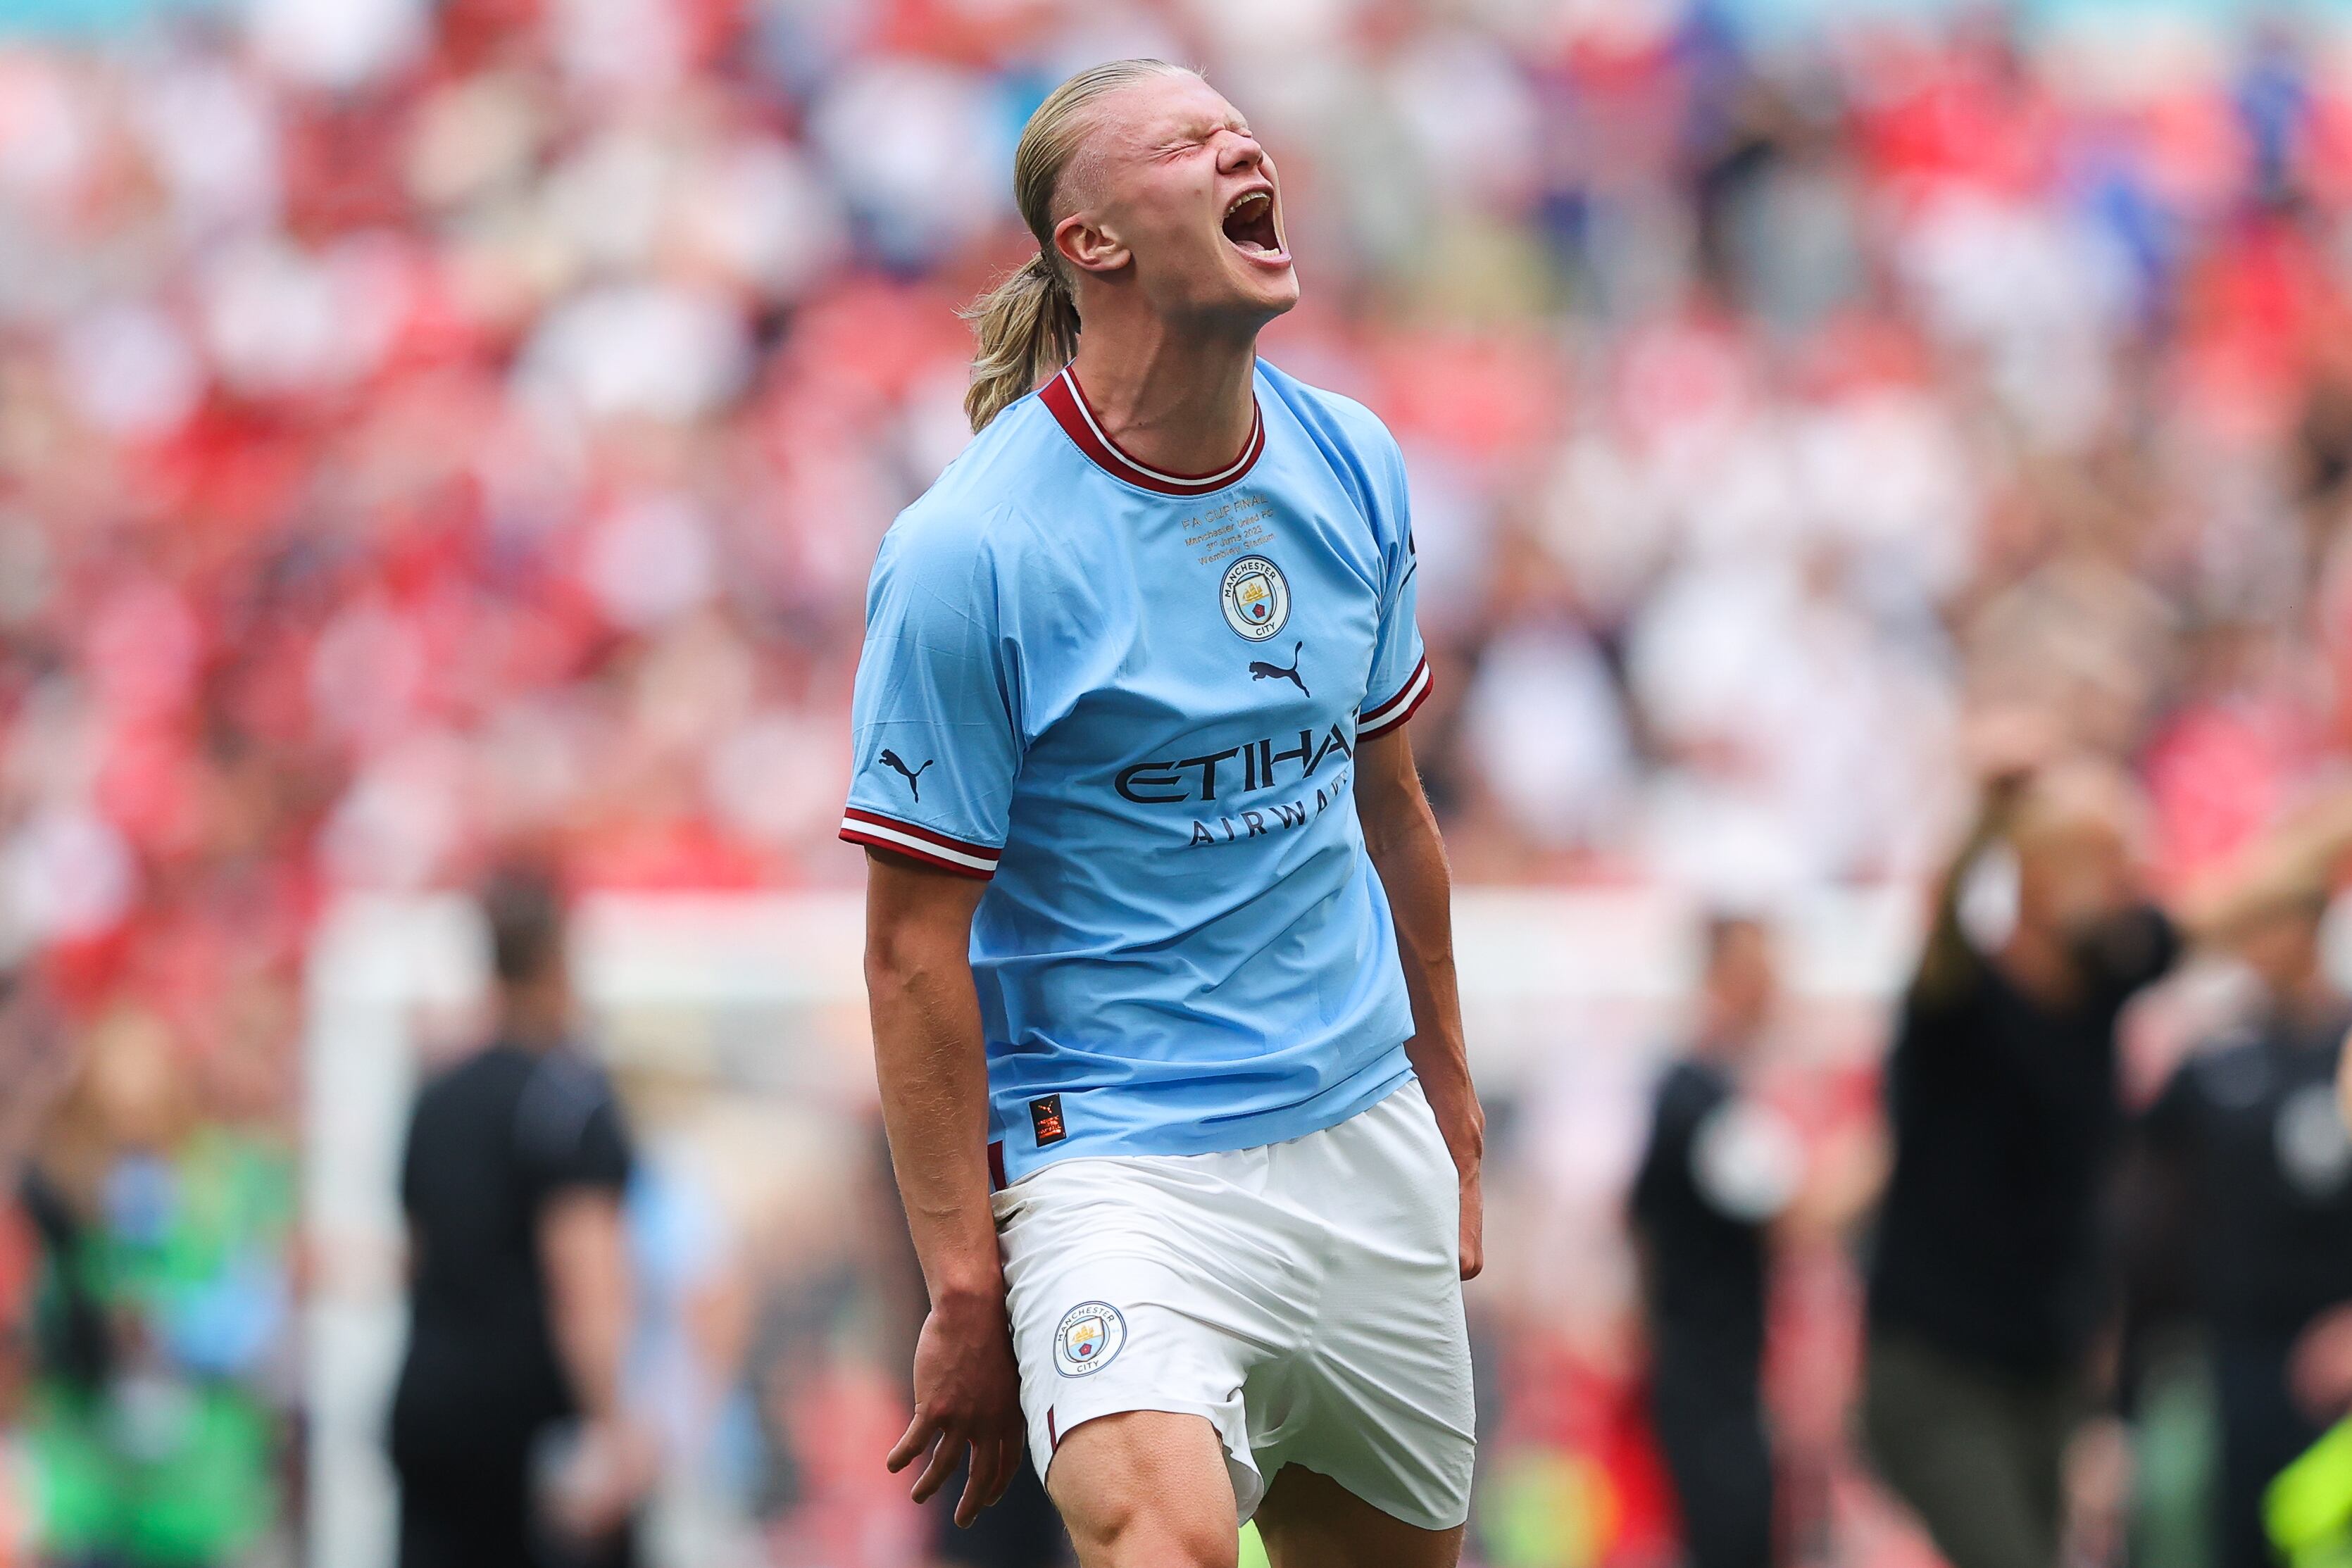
(1473, 1223)
(39, 1058)
(606, 1476)
(2319, 1368)
(2008, 744)
(967, 1395)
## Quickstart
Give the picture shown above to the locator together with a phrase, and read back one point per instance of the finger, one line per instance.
(1009, 1467)
(942, 1466)
(980, 1486)
(976, 1483)
(921, 1433)
(987, 1480)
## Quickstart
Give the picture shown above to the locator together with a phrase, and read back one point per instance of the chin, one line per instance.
(1266, 295)
(1279, 303)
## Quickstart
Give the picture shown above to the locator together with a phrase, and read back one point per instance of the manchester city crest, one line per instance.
(1257, 598)
(1090, 1335)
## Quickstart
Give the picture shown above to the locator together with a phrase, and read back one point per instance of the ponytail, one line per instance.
(1028, 328)
(1028, 324)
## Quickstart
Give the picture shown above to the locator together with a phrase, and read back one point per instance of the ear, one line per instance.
(1085, 243)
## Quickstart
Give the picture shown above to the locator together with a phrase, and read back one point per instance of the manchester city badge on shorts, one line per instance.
(1090, 1336)
(1256, 598)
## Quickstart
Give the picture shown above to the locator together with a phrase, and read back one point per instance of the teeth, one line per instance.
(1252, 200)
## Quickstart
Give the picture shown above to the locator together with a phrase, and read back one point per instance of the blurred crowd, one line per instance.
(430, 428)
(425, 427)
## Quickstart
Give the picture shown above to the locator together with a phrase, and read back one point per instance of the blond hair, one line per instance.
(1028, 324)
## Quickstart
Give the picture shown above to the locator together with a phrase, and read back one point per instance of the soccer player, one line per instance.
(1158, 941)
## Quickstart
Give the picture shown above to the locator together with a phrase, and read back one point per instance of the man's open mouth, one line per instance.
(1249, 223)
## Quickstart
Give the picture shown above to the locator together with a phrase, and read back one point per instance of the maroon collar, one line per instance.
(1069, 404)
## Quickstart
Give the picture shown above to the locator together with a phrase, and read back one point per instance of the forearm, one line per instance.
(1946, 955)
(931, 1064)
(1410, 856)
(2294, 862)
(590, 1337)
(585, 1242)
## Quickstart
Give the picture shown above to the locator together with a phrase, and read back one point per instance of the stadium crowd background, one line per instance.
(426, 430)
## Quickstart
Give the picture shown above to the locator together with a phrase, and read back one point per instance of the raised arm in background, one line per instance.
(2292, 861)
(1947, 959)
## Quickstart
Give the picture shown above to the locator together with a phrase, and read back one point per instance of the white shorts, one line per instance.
(1305, 1296)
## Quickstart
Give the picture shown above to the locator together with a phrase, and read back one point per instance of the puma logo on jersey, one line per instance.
(891, 761)
(1262, 671)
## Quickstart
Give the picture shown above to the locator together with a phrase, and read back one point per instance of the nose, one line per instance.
(1239, 153)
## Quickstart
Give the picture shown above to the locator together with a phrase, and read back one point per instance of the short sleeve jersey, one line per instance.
(1132, 701)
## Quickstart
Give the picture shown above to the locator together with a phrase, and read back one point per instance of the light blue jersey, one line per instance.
(1132, 700)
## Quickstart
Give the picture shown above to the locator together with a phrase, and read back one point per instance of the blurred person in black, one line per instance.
(507, 1429)
(1989, 1281)
(1719, 1169)
(2242, 1199)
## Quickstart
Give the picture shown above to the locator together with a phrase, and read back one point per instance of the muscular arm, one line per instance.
(931, 1063)
(1402, 835)
(933, 1070)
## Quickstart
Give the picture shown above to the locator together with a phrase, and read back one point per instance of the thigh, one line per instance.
(1142, 1286)
(2050, 1414)
(1147, 1489)
(1309, 1520)
(1382, 1405)
(1943, 1441)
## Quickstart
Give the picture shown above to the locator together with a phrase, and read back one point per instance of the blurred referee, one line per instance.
(506, 1427)
(1719, 1170)
(2245, 1176)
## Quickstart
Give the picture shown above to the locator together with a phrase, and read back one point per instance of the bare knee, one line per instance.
(1145, 1489)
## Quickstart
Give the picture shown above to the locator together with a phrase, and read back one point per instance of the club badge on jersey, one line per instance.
(1257, 598)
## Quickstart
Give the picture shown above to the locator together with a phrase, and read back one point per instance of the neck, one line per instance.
(1723, 1041)
(2038, 963)
(1172, 394)
(2309, 1000)
(533, 1021)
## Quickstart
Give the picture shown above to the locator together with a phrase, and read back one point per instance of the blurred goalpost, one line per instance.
(761, 996)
